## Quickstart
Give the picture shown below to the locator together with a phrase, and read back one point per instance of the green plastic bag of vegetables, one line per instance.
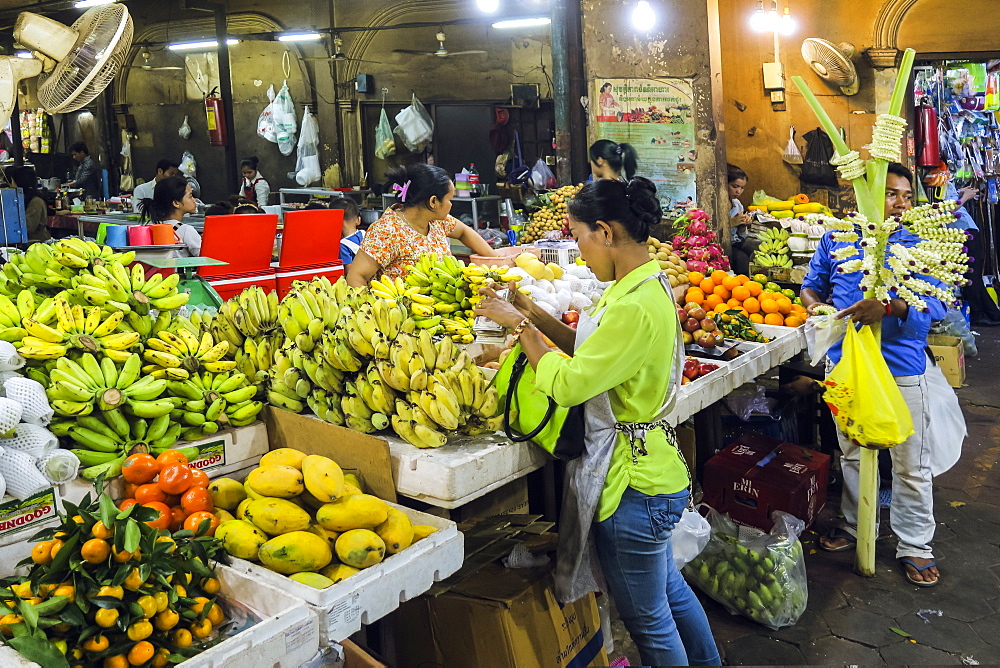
(759, 575)
(385, 142)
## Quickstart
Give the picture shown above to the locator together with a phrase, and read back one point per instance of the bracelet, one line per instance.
(520, 329)
(888, 309)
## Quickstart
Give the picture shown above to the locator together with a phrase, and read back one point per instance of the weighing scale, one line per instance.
(203, 295)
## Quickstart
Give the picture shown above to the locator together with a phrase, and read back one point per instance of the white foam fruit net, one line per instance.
(10, 414)
(7, 375)
(59, 466)
(9, 359)
(31, 395)
(3, 486)
(32, 439)
(22, 476)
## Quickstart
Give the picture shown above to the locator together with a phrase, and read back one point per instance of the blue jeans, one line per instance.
(661, 613)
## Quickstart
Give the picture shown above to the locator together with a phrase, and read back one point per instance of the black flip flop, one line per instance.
(838, 534)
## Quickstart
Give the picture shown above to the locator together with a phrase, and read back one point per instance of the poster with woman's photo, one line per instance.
(656, 116)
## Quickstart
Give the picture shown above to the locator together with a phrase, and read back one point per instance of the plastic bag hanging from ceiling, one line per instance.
(307, 168)
(284, 120)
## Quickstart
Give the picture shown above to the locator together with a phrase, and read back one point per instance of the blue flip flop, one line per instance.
(920, 569)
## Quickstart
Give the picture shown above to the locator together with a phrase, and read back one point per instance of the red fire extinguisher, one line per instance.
(928, 153)
(218, 133)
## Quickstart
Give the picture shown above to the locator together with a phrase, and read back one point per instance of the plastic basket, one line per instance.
(505, 256)
(563, 253)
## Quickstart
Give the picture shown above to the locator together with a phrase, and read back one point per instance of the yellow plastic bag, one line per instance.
(864, 397)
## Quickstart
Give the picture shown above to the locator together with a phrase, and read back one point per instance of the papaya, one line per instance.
(323, 478)
(360, 548)
(358, 511)
(338, 571)
(314, 580)
(277, 516)
(396, 531)
(241, 538)
(277, 481)
(295, 552)
(284, 457)
(421, 531)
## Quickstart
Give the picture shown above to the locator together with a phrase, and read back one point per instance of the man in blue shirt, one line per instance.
(351, 236)
(904, 340)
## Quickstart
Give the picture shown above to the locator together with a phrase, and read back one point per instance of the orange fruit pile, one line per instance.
(719, 292)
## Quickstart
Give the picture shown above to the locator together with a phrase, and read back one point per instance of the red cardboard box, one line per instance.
(756, 475)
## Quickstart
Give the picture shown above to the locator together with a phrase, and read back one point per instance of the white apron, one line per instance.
(578, 571)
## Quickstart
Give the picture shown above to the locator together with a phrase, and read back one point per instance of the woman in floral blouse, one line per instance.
(419, 224)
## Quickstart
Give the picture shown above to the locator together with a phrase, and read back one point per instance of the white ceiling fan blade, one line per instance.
(466, 53)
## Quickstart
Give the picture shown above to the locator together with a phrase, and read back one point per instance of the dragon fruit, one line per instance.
(696, 243)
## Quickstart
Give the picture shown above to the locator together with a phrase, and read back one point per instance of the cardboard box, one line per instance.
(19, 520)
(688, 445)
(949, 353)
(756, 475)
(500, 618)
(511, 498)
(357, 657)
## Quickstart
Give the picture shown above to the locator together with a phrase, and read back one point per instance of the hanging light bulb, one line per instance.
(773, 19)
(488, 6)
(787, 25)
(758, 21)
(643, 16)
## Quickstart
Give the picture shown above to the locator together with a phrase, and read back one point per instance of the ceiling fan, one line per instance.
(441, 51)
(340, 56)
(146, 55)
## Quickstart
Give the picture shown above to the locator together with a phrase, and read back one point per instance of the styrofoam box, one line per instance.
(465, 469)
(222, 453)
(286, 637)
(373, 593)
(785, 342)
(700, 393)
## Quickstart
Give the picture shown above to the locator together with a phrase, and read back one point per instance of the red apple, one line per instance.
(691, 325)
(708, 325)
(698, 313)
(691, 368)
(719, 337)
(569, 317)
(682, 315)
(687, 337)
(698, 333)
(690, 306)
(706, 341)
(707, 368)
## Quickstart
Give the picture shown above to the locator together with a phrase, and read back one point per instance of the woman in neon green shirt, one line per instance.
(631, 485)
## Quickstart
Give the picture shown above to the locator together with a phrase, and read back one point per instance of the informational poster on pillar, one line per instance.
(656, 116)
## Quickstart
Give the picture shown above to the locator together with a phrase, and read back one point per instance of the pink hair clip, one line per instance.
(401, 189)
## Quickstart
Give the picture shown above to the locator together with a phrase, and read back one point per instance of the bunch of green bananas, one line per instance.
(11, 316)
(779, 234)
(53, 267)
(440, 278)
(772, 260)
(80, 254)
(77, 328)
(289, 386)
(106, 438)
(113, 285)
(176, 355)
(77, 389)
(773, 250)
(212, 401)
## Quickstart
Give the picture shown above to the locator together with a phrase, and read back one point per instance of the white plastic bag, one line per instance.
(792, 154)
(184, 131)
(946, 428)
(689, 537)
(307, 164)
(822, 333)
(265, 123)
(188, 166)
(414, 126)
(284, 120)
(541, 176)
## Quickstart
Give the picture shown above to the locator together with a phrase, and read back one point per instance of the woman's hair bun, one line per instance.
(643, 201)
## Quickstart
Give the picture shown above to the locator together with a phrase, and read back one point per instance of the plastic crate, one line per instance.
(563, 253)
(230, 285)
(285, 276)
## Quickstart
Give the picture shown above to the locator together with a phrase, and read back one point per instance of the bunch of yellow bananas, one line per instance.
(392, 289)
(81, 254)
(76, 328)
(113, 285)
(176, 355)
(54, 267)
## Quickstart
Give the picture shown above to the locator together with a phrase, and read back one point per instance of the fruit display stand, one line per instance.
(286, 636)
(465, 469)
(786, 342)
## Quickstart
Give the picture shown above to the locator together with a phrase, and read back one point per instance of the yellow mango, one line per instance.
(241, 538)
(360, 548)
(223, 515)
(241, 510)
(277, 516)
(337, 572)
(351, 479)
(283, 457)
(358, 511)
(226, 493)
(396, 531)
(314, 580)
(323, 478)
(278, 481)
(329, 536)
(422, 531)
(310, 502)
(351, 490)
(295, 552)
